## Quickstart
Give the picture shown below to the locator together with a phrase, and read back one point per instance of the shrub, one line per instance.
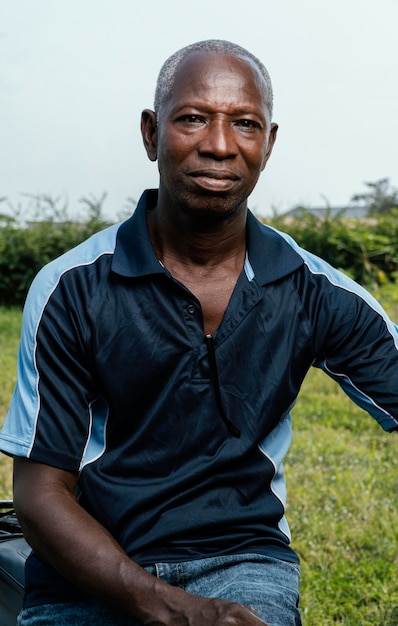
(366, 249)
(26, 247)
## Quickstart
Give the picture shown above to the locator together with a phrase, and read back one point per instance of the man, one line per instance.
(157, 367)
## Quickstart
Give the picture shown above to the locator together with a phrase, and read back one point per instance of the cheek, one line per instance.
(173, 153)
(253, 150)
(255, 159)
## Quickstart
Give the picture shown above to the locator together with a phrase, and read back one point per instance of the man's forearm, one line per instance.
(64, 535)
(85, 553)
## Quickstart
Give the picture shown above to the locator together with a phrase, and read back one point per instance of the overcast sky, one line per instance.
(75, 75)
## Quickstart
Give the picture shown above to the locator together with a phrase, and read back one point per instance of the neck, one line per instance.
(206, 254)
(197, 240)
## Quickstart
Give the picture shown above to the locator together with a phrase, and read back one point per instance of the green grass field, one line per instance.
(10, 323)
(342, 474)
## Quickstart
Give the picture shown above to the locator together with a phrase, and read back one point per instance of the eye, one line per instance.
(248, 124)
(191, 119)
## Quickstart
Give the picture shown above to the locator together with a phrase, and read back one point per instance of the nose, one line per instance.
(218, 140)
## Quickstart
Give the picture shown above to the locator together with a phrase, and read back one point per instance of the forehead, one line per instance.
(209, 76)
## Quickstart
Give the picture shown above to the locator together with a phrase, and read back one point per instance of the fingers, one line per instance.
(251, 609)
(253, 612)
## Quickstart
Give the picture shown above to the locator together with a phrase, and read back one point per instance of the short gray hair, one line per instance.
(165, 82)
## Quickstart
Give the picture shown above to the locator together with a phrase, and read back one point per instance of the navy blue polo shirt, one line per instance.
(179, 439)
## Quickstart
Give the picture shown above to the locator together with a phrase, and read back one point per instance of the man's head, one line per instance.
(213, 135)
(166, 78)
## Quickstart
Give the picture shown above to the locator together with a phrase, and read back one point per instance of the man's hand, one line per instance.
(184, 609)
(216, 612)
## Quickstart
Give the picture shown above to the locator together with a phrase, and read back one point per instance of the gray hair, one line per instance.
(165, 82)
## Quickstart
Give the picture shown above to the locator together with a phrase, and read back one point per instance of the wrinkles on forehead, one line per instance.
(207, 76)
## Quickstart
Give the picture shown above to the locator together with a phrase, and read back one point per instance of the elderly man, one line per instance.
(158, 364)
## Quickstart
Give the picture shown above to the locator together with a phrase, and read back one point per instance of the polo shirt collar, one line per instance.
(270, 255)
(134, 254)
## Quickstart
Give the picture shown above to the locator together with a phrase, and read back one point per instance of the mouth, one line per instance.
(214, 179)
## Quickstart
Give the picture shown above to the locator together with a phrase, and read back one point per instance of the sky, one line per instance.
(76, 74)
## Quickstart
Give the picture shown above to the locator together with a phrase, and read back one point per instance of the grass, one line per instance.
(342, 475)
(10, 324)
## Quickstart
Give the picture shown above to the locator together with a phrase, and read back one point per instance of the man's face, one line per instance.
(213, 138)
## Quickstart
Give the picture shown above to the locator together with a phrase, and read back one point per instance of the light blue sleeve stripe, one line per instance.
(274, 447)
(384, 418)
(18, 433)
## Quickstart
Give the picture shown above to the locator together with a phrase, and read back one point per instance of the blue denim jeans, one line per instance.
(268, 585)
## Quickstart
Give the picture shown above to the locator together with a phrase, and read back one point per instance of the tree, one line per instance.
(380, 197)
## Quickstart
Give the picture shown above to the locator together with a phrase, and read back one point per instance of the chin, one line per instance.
(213, 207)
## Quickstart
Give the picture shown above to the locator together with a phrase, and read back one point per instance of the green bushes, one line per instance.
(366, 249)
(23, 251)
(26, 247)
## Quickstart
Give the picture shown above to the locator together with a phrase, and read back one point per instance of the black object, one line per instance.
(13, 553)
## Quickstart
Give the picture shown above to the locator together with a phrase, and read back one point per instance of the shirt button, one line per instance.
(191, 309)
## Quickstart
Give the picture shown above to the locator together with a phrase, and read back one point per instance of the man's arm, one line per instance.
(76, 545)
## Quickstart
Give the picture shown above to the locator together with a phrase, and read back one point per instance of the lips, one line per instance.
(214, 179)
(214, 173)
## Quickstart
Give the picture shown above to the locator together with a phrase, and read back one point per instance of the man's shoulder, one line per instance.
(85, 255)
(87, 252)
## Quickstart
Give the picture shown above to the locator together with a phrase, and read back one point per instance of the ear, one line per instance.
(271, 142)
(149, 131)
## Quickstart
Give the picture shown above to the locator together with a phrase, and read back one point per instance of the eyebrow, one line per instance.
(202, 107)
